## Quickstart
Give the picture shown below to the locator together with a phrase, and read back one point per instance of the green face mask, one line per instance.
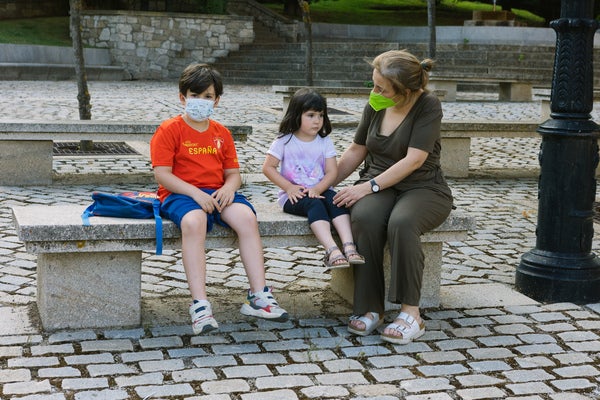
(379, 102)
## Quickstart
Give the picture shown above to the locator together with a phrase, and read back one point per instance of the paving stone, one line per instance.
(225, 386)
(15, 375)
(479, 352)
(154, 378)
(84, 383)
(481, 393)
(271, 395)
(323, 392)
(527, 375)
(426, 384)
(19, 388)
(283, 381)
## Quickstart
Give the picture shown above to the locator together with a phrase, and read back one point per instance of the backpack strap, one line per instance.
(87, 213)
(159, 226)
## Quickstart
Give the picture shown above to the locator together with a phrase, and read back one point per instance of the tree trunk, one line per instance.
(431, 24)
(83, 95)
(309, 56)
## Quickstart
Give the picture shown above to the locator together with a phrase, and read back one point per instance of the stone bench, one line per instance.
(330, 91)
(457, 135)
(509, 89)
(90, 276)
(27, 147)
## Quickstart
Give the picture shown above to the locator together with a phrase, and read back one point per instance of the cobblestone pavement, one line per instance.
(485, 341)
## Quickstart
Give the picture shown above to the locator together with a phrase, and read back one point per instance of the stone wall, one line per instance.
(33, 8)
(158, 46)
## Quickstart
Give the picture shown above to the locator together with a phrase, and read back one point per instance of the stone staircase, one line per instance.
(269, 61)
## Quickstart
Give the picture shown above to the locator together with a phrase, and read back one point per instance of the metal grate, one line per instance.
(99, 148)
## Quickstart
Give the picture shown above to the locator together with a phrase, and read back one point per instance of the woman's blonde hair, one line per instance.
(403, 69)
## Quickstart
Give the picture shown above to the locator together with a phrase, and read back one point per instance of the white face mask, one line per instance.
(199, 109)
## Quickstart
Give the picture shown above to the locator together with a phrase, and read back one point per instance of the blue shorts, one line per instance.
(177, 205)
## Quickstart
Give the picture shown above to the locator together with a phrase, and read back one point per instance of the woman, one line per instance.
(401, 193)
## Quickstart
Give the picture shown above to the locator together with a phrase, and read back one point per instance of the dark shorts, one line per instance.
(177, 205)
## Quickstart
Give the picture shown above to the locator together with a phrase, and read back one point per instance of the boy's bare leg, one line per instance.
(193, 239)
(243, 221)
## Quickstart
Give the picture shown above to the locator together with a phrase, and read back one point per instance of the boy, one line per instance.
(195, 164)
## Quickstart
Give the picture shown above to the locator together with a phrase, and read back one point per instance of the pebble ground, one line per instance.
(485, 341)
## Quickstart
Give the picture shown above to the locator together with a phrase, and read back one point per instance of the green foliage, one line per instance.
(52, 31)
(211, 6)
(398, 12)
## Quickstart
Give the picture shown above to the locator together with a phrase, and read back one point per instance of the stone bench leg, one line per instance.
(515, 91)
(456, 152)
(342, 282)
(26, 162)
(89, 290)
(286, 102)
(448, 87)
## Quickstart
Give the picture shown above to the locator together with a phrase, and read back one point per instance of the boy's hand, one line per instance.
(206, 202)
(296, 192)
(223, 197)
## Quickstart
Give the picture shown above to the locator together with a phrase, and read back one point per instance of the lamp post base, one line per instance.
(556, 278)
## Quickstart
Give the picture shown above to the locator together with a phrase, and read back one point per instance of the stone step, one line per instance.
(60, 72)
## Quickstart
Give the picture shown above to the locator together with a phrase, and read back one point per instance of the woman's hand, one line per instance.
(349, 195)
(295, 193)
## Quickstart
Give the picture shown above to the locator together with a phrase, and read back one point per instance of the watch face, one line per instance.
(374, 186)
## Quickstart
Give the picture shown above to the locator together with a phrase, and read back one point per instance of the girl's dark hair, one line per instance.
(198, 77)
(303, 100)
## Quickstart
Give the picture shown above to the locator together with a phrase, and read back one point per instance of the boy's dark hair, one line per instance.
(303, 100)
(198, 77)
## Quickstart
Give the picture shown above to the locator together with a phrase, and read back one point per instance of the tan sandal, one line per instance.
(335, 262)
(408, 328)
(352, 255)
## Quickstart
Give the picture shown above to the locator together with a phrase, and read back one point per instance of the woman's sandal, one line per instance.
(335, 262)
(352, 255)
(370, 324)
(408, 328)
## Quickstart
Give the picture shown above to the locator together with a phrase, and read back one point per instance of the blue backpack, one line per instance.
(127, 205)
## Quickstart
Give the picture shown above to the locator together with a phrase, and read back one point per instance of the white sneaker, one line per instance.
(202, 317)
(263, 305)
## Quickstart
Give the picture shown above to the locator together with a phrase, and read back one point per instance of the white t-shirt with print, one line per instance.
(302, 163)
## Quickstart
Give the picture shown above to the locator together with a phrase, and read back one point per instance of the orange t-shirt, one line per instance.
(198, 158)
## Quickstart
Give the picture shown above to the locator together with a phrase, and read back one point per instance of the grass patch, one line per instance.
(54, 31)
(51, 31)
(399, 12)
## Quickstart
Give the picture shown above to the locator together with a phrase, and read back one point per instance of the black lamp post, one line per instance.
(562, 268)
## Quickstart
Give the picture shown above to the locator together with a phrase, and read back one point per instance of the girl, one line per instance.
(308, 170)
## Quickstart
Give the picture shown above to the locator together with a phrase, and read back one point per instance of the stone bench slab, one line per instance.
(90, 276)
(27, 147)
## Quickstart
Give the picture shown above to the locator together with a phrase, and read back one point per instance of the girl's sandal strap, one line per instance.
(352, 255)
(333, 262)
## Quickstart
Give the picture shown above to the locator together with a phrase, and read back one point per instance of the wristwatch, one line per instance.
(374, 186)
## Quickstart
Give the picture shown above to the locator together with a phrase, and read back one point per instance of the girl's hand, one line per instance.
(205, 201)
(348, 196)
(223, 197)
(314, 194)
(295, 193)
